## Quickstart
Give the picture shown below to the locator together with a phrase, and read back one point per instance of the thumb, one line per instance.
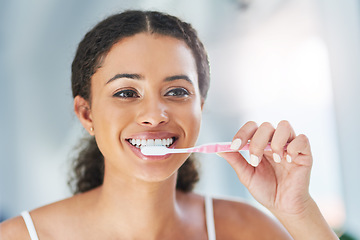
(237, 162)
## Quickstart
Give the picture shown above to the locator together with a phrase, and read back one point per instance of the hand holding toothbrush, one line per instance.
(279, 179)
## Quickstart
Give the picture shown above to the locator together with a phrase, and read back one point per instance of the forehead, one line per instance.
(145, 51)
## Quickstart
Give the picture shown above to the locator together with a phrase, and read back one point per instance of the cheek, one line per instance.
(191, 121)
(197, 118)
(109, 120)
(106, 116)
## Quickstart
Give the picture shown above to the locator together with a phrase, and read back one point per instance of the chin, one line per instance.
(160, 172)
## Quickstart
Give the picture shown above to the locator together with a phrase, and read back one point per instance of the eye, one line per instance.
(178, 92)
(127, 93)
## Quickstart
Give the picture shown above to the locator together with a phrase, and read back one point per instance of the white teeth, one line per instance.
(157, 142)
(151, 142)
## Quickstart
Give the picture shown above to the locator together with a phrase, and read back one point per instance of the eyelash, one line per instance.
(120, 94)
(175, 92)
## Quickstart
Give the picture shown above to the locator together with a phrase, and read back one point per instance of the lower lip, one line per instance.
(138, 153)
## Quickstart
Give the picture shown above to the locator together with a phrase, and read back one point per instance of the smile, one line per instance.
(167, 142)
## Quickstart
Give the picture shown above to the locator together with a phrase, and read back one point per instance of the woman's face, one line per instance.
(145, 92)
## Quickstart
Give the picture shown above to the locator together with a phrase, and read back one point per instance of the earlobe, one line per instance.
(202, 104)
(83, 112)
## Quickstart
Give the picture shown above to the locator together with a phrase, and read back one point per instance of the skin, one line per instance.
(159, 98)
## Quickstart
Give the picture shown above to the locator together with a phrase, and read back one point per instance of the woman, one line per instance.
(141, 78)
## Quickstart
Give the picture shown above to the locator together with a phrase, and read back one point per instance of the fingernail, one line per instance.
(276, 158)
(235, 145)
(288, 158)
(254, 160)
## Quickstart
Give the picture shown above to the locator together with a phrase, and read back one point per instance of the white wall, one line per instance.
(341, 26)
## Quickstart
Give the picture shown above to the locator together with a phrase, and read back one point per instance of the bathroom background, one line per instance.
(270, 60)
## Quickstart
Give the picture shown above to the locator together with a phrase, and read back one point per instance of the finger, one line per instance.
(245, 133)
(242, 168)
(235, 159)
(259, 142)
(283, 134)
(298, 148)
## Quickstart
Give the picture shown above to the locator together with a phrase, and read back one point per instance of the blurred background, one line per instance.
(270, 60)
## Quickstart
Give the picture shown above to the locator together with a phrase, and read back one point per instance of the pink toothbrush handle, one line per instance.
(267, 148)
(214, 148)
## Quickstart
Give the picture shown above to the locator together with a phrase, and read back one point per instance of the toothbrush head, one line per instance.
(154, 150)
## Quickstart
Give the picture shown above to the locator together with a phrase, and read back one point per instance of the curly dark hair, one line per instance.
(88, 166)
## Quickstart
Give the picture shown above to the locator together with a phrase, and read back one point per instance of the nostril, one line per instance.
(153, 123)
(152, 118)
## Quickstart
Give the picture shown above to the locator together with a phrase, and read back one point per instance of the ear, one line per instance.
(83, 112)
(202, 104)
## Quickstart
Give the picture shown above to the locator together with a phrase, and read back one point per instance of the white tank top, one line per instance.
(209, 214)
(29, 225)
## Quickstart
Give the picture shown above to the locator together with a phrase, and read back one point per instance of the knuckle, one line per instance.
(284, 124)
(241, 133)
(303, 138)
(247, 130)
(252, 124)
(267, 125)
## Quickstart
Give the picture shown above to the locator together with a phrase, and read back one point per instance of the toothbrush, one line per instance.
(205, 148)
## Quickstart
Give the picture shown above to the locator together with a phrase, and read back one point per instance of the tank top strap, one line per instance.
(29, 225)
(210, 223)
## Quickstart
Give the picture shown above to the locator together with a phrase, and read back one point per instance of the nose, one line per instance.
(153, 113)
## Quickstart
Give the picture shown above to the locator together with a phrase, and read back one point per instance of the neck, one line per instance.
(139, 207)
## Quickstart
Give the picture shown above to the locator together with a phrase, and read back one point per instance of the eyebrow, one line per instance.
(125, 75)
(140, 77)
(178, 77)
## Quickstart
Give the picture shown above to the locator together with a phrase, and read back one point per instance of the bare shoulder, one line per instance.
(42, 218)
(14, 228)
(236, 218)
(46, 220)
(57, 220)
